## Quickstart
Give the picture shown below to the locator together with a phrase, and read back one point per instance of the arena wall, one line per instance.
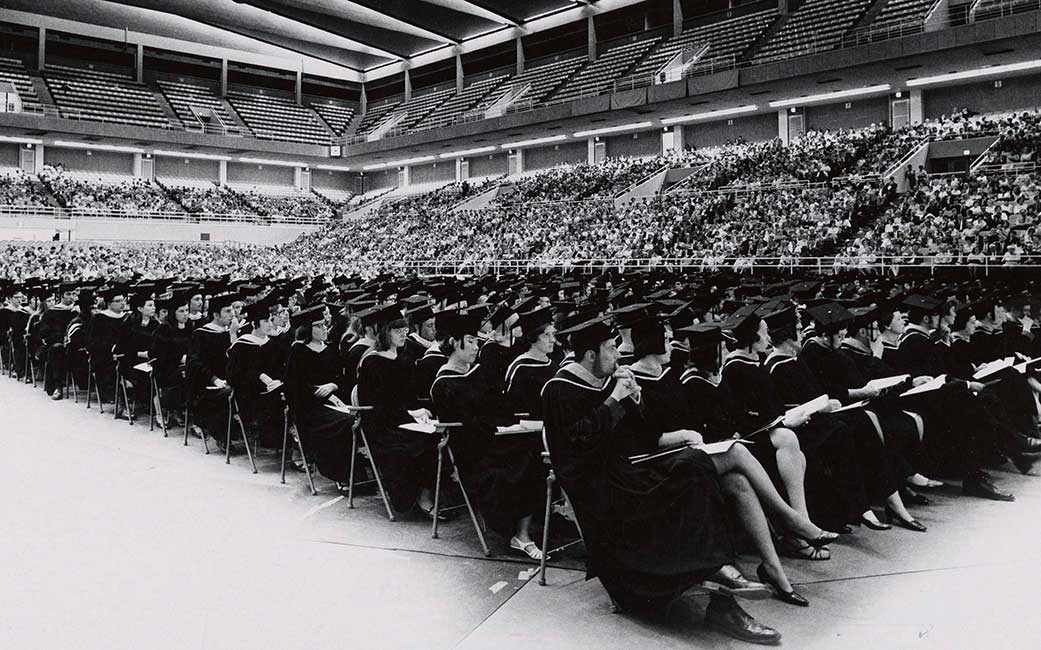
(860, 114)
(443, 171)
(9, 156)
(260, 174)
(1015, 93)
(187, 168)
(89, 160)
(490, 165)
(563, 153)
(330, 180)
(635, 145)
(753, 129)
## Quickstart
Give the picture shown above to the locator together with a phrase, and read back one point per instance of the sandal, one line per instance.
(527, 548)
(799, 549)
(823, 539)
(923, 482)
(430, 513)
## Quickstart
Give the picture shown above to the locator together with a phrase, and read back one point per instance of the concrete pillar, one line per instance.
(591, 41)
(677, 18)
(518, 154)
(363, 101)
(458, 73)
(520, 56)
(782, 125)
(41, 49)
(223, 77)
(675, 133)
(405, 178)
(408, 86)
(38, 159)
(139, 63)
(300, 87)
(783, 8)
(222, 172)
(137, 165)
(591, 151)
(459, 170)
(917, 106)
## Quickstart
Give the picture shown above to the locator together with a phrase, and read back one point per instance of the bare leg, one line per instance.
(524, 529)
(897, 504)
(739, 459)
(750, 512)
(791, 463)
(426, 499)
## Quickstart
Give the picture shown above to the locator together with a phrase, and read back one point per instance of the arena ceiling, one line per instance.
(370, 38)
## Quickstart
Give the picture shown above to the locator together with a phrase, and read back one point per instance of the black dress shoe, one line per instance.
(791, 597)
(872, 525)
(980, 486)
(912, 498)
(726, 616)
(909, 524)
(1024, 462)
(729, 581)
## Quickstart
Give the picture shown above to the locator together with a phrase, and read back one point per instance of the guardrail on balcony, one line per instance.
(50, 212)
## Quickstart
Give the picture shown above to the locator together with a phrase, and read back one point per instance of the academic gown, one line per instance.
(424, 370)
(652, 530)
(325, 434)
(505, 472)
(959, 434)
(350, 356)
(415, 348)
(135, 338)
(406, 459)
(208, 361)
(53, 325)
(75, 349)
(170, 344)
(710, 406)
(847, 468)
(495, 360)
(18, 320)
(106, 329)
(524, 381)
(261, 411)
(1008, 396)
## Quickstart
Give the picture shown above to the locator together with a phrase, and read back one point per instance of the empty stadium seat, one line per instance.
(902, 12)
(278, 118)
(13, 71)
(337, 116)
(184, 96)
(460, 104)
(725, 38)
(599, 76)
(542, 79)
(103, 96)
(374, 114)
(420, 106)
(816, 26)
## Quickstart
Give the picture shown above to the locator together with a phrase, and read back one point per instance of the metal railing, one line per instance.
(51, 212)
(1003, 8)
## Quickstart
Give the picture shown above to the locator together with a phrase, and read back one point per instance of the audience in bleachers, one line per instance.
(106, 194)
(18, 189)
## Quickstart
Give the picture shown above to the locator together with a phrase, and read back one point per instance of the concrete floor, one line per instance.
(112, 537)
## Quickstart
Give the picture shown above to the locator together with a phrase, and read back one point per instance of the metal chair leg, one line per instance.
(285, 443)
(469, 506)
(126, 402)
(245, 441)
(551, 478)
(354, 457)
(437, 482)
(227, 447)
(151, 403)
(376, 473)
(307, 465)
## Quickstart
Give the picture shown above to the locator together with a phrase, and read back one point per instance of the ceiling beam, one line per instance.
(407, 26)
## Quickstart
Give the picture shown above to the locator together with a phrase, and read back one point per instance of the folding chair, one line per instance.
(155, 396)
(92, 379)
(70, 377)
(300, 448)
(233, 414)
(30, 367)
(442, 447)
(564, 506)
(121, 387)
(358, 431)
(187, 417)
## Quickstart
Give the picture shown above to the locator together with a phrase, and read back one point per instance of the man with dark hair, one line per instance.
(207, 369)
(53, 325)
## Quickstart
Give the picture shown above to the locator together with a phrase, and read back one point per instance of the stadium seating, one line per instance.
(374, 114)
(103, 96)
(278, 118)
(462, 103)
(599, 76)
(284, 205)
(341, 198)
(20, 189)
(14, 71)
(337, 116)
(731, 37)
(206, 198)
(542, 79)
(183, 96)
(816, 26)
(420, 106)
(106, 192)
(902, 12)
(986, 9)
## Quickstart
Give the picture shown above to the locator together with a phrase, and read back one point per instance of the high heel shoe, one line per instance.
(912, 498)
(909, 524)
(791, 597)
(873, 525)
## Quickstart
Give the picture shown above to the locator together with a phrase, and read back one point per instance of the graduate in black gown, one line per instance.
(106, 328)
(959, 436)
(256, 377)
(530, 371)
(423, 333)
(314, 379)
(498, 352)
(506, 471)
(76, 336)
(652, 530)
(424, 369)
(169, 354)
(17, 312)
(406, 459)
(666, 415)
(53, 325)
(757, 406)
(208, 369)
(351, 353)
(134, 345)
(884, 436)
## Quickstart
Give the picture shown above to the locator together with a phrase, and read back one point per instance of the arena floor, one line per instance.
(116, 538)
